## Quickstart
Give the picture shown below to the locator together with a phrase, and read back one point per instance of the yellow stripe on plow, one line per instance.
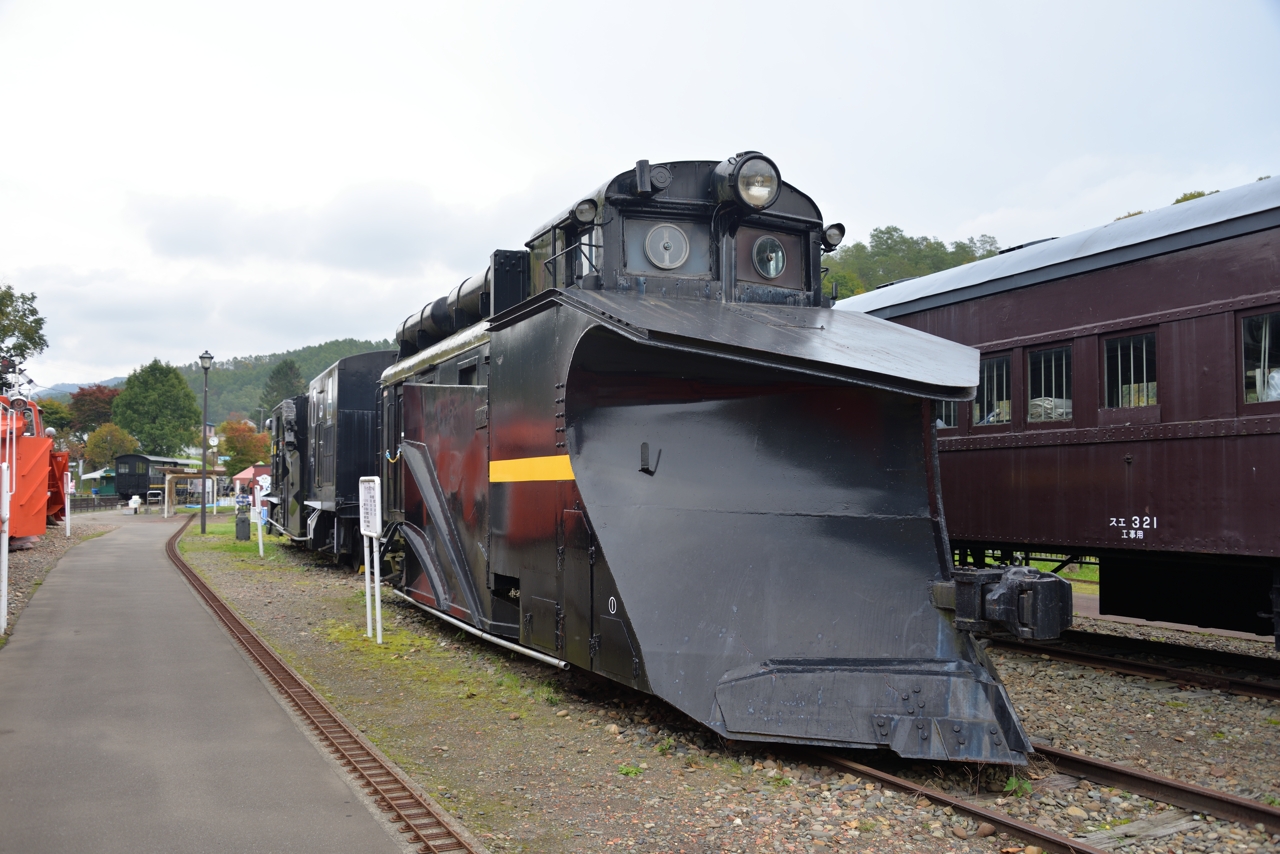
(531, 468)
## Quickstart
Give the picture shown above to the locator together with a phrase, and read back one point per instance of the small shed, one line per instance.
(245, 480)
(102, 480)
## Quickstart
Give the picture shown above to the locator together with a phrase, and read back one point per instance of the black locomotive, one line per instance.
(322, 444)
(646, 447)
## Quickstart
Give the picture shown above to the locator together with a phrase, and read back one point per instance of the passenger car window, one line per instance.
(1262, 358)
(993, 404)
(123, 468)
(1131, 371)
(947, 414)
(1049, 385)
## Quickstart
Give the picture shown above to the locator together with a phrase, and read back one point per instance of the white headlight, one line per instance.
(585, 211)
(832, 236)
(758, 183)
(749, 179)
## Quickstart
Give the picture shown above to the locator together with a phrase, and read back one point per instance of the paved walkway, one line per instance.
(130, 723)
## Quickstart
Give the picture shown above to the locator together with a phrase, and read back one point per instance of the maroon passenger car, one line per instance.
(1128, 406)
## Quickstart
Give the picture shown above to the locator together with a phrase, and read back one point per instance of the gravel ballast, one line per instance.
(534, 759)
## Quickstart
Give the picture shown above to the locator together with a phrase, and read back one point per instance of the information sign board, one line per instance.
(371, 506)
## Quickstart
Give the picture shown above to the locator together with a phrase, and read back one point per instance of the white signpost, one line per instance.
(263, 487)
(370, 530)
(66, 497)
(212, 486)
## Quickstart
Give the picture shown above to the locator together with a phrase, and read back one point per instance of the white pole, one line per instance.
(377, 584)
(4, 545)
(166, 495)
(66, 495)
(214, 490)
(257, 496)
(368, 591)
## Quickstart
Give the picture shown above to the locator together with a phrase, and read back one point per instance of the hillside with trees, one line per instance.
(236, 385)
(891, 254)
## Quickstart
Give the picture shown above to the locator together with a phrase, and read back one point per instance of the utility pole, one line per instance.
(206, 362)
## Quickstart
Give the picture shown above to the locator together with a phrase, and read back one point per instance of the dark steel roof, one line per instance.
(1230, 213)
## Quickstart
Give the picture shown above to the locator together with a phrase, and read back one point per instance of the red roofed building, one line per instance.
(245, 480)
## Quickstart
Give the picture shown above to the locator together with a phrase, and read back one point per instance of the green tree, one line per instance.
(21, 329)
(159, 408)
(105, 444)
(285, 380)
(243, 444)
(91, 407)
(54, 414)
(892, 254)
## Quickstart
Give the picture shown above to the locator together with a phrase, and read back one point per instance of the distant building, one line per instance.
(102, 480)
(138, 474)
(245, 480)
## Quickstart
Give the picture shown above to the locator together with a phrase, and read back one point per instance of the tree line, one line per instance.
(157, 412)
(890, 254)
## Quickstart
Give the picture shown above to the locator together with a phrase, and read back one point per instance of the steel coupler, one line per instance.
(1026, 602)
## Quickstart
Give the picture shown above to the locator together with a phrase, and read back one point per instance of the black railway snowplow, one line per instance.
(708, 487)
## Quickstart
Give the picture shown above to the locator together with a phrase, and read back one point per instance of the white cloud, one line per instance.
(260, 176)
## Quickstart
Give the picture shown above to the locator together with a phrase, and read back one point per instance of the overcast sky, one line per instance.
(253, 177)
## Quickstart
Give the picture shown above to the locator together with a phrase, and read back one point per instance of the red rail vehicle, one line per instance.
(36, 471)
(1128, 406)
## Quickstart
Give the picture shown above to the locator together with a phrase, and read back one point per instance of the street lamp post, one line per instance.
(206, 362)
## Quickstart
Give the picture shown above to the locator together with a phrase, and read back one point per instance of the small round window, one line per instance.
(666, 246)
(769, 258)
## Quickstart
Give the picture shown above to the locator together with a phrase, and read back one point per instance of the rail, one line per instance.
(1001, 822)
(418, 816)
(1173, 792)
(1176, 793)
(1230, 684)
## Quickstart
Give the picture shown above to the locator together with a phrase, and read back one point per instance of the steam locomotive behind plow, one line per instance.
(646, 447)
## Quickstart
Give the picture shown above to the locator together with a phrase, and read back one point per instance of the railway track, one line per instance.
(1173, 792)
(1022, 830)
(1123, 645)
(415, 814)
(1111, 653)
(1195, 799)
